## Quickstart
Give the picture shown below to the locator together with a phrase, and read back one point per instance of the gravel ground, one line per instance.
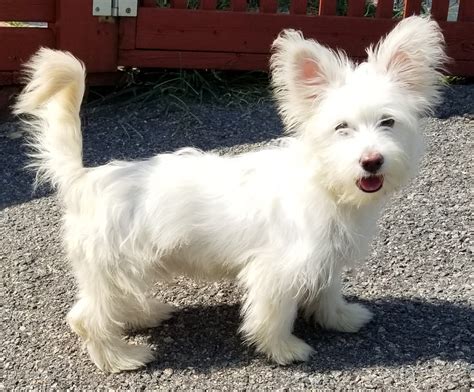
(416, 280)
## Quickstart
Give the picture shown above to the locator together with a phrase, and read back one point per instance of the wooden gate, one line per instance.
(237, 37)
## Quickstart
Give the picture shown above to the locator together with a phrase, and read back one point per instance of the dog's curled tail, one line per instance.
(51, 102)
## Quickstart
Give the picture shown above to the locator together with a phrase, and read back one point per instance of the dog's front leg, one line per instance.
(330, 310)
(269, 313)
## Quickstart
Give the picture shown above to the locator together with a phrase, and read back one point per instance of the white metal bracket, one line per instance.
(114, 7)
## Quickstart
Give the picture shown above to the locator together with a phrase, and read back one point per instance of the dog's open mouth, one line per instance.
(370, 184)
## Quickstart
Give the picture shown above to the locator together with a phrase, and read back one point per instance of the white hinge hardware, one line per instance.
(114, 7)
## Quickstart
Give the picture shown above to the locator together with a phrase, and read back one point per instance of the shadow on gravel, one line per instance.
(458, 100)
(402, 332)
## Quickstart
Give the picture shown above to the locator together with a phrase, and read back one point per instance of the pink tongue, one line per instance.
(371, 184)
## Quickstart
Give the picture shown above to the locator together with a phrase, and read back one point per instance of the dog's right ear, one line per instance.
(413, 56)
(302, 71)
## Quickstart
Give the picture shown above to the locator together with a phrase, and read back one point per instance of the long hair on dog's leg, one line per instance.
(269, 311)
(100, 317)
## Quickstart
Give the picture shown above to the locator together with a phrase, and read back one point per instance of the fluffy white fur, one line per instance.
(282, 221)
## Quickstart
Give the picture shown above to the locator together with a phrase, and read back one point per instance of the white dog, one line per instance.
(283, 221)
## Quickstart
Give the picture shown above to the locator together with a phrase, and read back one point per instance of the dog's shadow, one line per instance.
(402, 332)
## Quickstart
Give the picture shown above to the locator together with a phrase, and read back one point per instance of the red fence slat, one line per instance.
(356, 8)
(298, 7)
(466, 11)
(411, 7)
(268, 6)
(384, 9)
(19, 44)
(189, 59)
(148, 3)
(27, 10)
(208, 4)
(327, 7)
(439, 9)
(239, 5)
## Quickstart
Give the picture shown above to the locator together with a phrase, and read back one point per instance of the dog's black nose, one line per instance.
(371, 162)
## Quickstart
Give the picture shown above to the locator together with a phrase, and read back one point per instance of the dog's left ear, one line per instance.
(302, 71)
(413, 55)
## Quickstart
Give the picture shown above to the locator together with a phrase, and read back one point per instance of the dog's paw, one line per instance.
(347, 317)
(288, 350)
(119, 357)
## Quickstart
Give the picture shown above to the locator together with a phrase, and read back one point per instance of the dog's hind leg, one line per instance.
(107, 297)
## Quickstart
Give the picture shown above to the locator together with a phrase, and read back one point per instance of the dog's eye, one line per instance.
(387, 122)
(342, 125)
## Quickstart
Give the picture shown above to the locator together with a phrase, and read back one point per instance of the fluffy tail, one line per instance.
(51, 100)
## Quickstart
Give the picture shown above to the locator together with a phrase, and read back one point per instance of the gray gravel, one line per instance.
(416, 280)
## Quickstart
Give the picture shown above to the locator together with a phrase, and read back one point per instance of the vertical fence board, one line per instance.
(466, 11)
(411, 7)
(298, 7)
(356, 8)
(208, 4)
(439, 9)
(384, 9)
(327, 7)
(239, 5)
(268, 6)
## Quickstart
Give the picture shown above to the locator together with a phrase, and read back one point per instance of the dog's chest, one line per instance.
(343, 241)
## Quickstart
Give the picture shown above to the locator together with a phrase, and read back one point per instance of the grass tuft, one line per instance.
(178, 90)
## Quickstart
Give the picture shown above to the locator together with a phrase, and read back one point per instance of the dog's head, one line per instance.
(360, 122)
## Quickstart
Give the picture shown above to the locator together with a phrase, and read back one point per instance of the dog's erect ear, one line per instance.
(302, 70)
(413, 55)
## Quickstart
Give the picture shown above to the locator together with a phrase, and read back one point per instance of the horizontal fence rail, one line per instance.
(28, 10)
(218, 34)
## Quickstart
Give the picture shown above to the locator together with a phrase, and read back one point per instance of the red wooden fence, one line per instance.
(235, 38)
